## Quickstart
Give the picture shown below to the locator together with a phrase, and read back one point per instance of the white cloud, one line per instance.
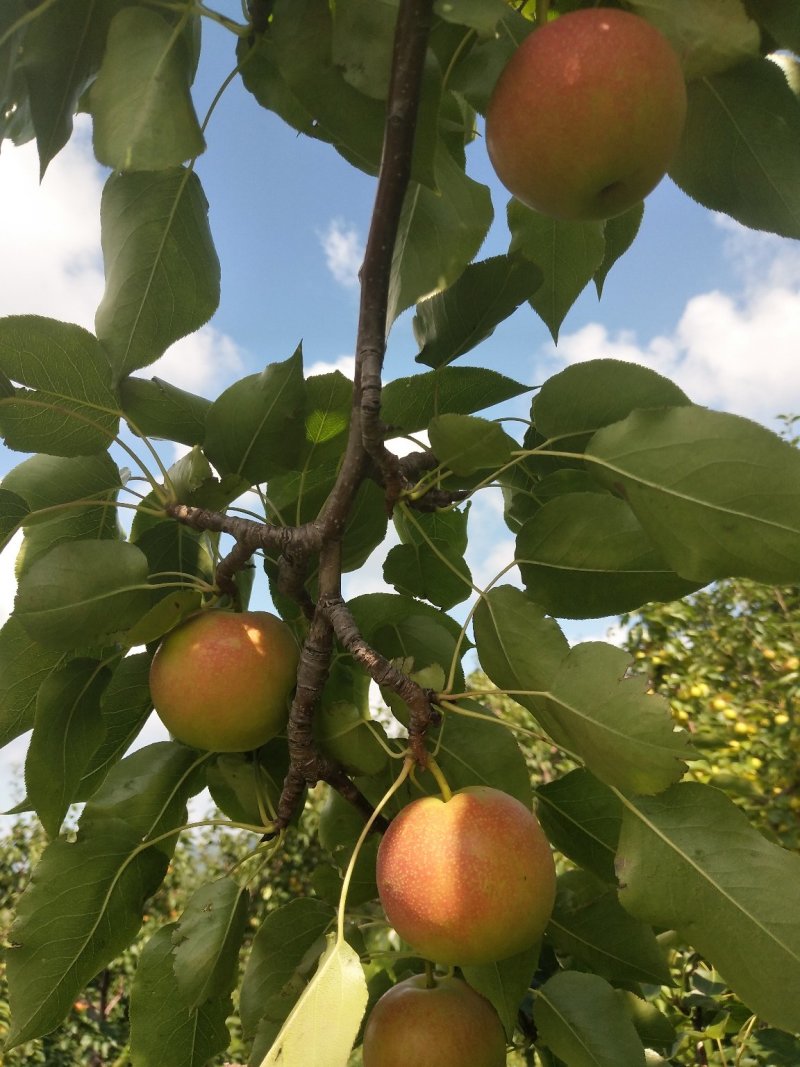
(732, 351)
(345, 364)
(344, 251)
(51, 232)
(204, 362)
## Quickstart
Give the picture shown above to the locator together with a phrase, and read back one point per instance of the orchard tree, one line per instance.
(621, 492)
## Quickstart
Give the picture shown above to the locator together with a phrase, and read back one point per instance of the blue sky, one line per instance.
(713, 306)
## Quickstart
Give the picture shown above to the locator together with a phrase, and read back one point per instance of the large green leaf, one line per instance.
(207, 940)
(255, 428)
(67, 731)
(125, 707)
(717, 494)
(162, 272)
(59, 491)
(313, 92)
(584, 397)
(63, 50)
(741, 147)
(163, 1031)
(579, 695)
(13, 512)
(143, 114)
(584, 555)
(104, 877)
(504, 984)
(467, 443)
(579, 1018)
(328, 399)
(278, 965)
(410, 403)
(782, 20)
(339, 979)
(688, 860)
(157, 409)
(589, 924)
(439, 234)
(582, 818)
(24, 666)
(620, 233)
(83, 593)
(433, 570)
(452, 322)
(67, 407)
(16, 122)
(568, 255)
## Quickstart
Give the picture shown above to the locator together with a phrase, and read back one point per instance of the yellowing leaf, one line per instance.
(323, 1024)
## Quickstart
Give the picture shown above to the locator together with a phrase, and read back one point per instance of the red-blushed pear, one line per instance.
(587, 114)
(468, 880)
(221, 681)
(444, 1025)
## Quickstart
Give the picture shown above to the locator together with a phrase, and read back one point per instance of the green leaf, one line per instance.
(157, 409)
(62, 941)
(709, 38)
(143, 114)
(206, 942)
(13, 512)
(432, 570)
(62, 52)
(162, 1030)
(410, 403)
(162, 276)
(580, 1019)
(781, 18)
(343, 734)
(238, 781)
(584, 397)
(68, 407)
(582, 818)
(482, 16)
(454, 321)
(148, 790)
(740, 151)
(164, 616)
(329, 398)
(16, 122)
(716, 493)
(480, 751)
(321, 102)
(589, 924)
(620, 233)
(104, 877)
(52, 487)
(68, 730)
(568, 255)
(466, 443)
(24, 667)
(690, 861)
(339, 980)
(439, 234)
(125, 706)
(83, 593)
(255, 428)
(285, 949)
(580, 695)
(504, 984)
(361, 44)
(584, 555)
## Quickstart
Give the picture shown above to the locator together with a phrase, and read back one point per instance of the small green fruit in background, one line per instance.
(469, 880)
(447, 1025)
(587, 115)
(222, 681)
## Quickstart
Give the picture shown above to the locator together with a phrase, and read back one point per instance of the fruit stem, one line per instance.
(441, 781)
(430, 979)
(542, 7)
